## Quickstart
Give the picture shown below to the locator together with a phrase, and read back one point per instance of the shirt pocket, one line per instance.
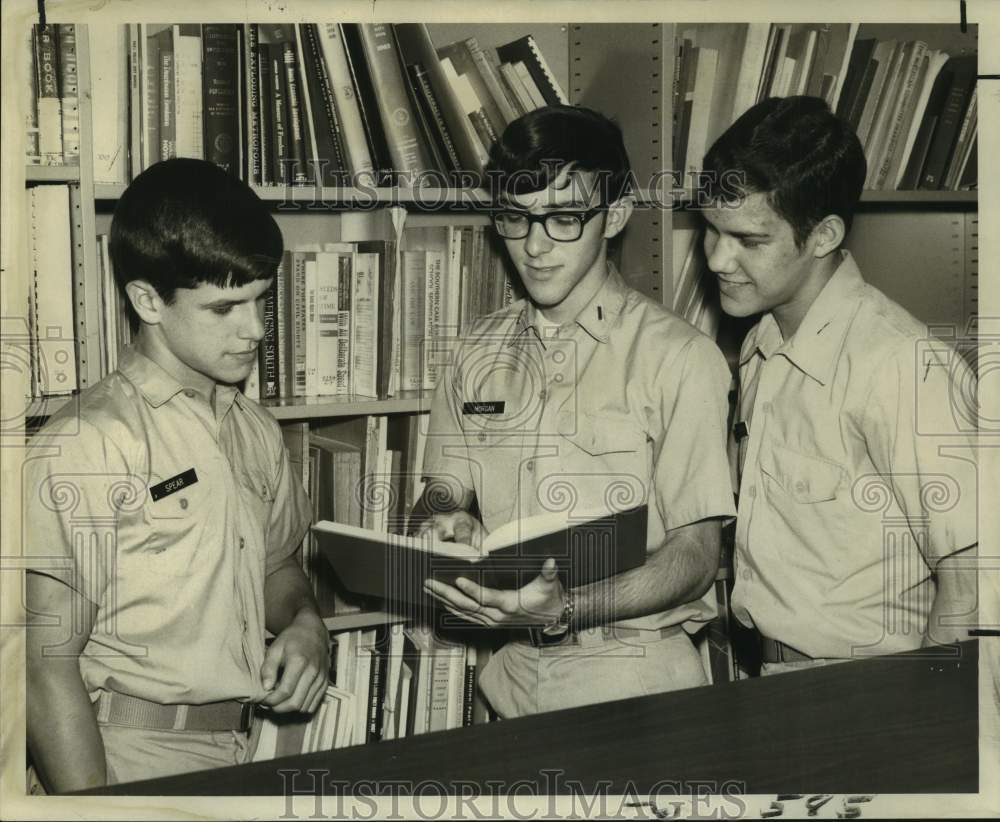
(806, 479)
(257, 493)
(607, 458)
(178, 526)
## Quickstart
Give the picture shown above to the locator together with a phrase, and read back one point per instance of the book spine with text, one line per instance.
(219, 92)
(299, 173)
(251, 94)
(358, 158)
(50, 134)
(187, 91)
(269, 346)
(329, 150)
(406, 150)
(167, 106)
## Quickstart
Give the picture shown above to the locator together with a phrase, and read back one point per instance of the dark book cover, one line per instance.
(407, 149)
(269, 346)
(251, 104)
(167, 104)
(925, 133)
(300, 172)
(326, 121)
(861, 99)
(386, 310)
(281, 155)
(267, 120)
(393, 567)
(433, 120)
(469, 688)
(219, 94)
(861, 55)
(963, 79)
(525, 50)
(367, 97)
(376, 684)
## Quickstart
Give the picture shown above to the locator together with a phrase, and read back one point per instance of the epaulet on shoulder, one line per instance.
(662, 319)
(894, 318)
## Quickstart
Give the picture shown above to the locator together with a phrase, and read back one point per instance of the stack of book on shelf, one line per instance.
(53, 117)
(388, 682)
(722, 69)
(306, 103)
(915, 111)
(50, 348)
(372, 317)
(362, 472)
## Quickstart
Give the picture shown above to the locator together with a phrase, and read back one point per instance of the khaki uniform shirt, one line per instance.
(858, 473)
(623, 406)
(175, 566)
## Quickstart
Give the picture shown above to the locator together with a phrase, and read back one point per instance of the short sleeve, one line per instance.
(76, 488)
(290, 511)
(920, 432)
(444, 455)
(691, 472)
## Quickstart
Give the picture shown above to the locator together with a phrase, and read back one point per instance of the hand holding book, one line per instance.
(510, 558)
(537, 603)
(455, 526)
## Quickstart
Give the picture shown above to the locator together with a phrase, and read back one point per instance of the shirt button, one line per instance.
(800, 486)
(246, 626)
(558, 358)
(189, 393)
(558, 378)
(481, 437)
(746, 573)
(542, 394)
(766, 408)
(753, 491)
(530, 465)
(243, 543)
(184, 503)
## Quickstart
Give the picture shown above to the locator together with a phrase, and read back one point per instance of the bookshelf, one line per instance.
(896, 232)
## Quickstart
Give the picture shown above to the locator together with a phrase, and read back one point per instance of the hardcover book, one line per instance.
(394, 567)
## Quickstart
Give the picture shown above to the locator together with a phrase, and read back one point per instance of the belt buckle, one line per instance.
(246, 716)
(539, 639)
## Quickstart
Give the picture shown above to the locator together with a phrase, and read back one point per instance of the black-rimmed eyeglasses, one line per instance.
(561, 226)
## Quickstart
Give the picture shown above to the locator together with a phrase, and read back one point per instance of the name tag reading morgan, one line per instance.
(473, 408)
(173, 485)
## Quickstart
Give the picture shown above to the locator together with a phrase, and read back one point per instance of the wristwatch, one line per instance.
(560, 625)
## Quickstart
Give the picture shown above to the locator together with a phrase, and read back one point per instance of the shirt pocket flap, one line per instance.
(603, 433)
(804, 478)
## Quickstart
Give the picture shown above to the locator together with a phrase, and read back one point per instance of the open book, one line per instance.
(394, 567)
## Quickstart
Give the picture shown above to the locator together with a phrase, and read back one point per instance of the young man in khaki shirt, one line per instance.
(584, 396)
(162, 517)
(856, 533)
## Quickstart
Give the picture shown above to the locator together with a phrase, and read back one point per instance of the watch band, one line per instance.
(560, 625)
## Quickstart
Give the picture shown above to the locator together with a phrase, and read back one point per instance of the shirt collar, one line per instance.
(157, 386)
(817, 342)
(597, 317)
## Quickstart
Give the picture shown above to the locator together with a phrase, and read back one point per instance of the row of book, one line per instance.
(371, 318)
(914, 107)
(53, 115)
(306, 103)
(722, 69)
(387, 682)
(915, 111)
